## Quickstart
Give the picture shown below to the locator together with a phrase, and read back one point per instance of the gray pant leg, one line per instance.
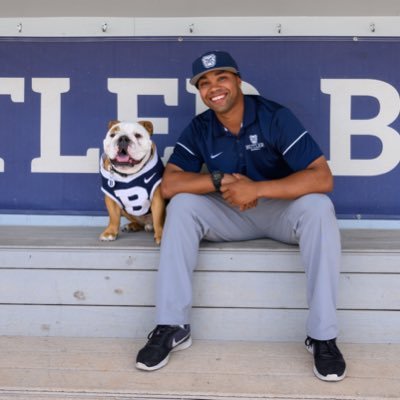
(320, 247)
(309, 221)
(190, 218)
(315, 226)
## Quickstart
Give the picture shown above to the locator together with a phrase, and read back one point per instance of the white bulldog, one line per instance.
(131, 173)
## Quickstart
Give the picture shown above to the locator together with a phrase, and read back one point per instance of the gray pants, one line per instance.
(309, 221)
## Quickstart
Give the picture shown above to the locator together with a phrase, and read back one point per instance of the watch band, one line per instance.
(216, 177)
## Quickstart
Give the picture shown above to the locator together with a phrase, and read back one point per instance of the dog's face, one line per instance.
(127, 145)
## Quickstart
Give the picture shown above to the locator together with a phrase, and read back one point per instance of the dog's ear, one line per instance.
(112, 123)
(147, 125)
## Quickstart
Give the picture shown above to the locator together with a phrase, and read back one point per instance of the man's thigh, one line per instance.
(272, 218)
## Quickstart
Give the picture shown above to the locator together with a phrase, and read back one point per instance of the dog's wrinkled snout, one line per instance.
(123, 143)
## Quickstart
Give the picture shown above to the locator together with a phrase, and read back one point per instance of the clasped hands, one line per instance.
(239, 190)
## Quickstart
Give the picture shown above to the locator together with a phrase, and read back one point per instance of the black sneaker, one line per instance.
(329, 364)
(163, 339)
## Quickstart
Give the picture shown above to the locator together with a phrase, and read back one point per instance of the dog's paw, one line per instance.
(157, 239)
(108, 237)
(157, 236)
(131, 227)
(149, 227)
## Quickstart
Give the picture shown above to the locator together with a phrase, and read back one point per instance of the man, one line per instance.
(268, 178)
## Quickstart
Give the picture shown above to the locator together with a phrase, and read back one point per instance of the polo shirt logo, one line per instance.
(254, 145)
(209, 61)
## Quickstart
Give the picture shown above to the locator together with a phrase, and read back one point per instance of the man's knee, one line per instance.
(315, 212)
(316, 205)
(317, 227)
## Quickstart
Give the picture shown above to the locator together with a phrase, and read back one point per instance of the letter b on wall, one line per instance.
(342, 126)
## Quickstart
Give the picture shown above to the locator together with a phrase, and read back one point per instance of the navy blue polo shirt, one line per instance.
(271, 144)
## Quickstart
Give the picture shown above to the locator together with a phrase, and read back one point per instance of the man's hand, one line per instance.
(239, 190)
(315, 178)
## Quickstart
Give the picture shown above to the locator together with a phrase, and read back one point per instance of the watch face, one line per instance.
(217, 177)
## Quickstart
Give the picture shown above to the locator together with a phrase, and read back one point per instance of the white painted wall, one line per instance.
(29, 18)
(195, 8)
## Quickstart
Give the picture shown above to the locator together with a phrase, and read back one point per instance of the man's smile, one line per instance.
(218, 98)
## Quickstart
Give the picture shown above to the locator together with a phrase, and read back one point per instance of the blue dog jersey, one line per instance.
(133, 193)
(271, 144)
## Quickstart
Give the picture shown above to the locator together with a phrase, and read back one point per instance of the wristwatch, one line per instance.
(216, 177)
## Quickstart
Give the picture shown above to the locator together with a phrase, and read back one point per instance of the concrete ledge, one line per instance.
(87, 368)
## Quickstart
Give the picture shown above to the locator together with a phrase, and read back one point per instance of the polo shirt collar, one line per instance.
(248, 118)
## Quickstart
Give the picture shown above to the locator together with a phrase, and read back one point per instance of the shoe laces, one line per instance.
(325, 348)
(159, 330)
(159, 334)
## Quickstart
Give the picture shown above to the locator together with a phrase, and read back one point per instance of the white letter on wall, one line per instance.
(50, 159)
(342, 127)
(15, 88)
(128, 91)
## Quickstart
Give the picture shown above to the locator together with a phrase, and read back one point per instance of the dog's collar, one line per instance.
(112, 169)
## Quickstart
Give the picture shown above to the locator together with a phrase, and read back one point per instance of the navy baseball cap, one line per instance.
(211, 61)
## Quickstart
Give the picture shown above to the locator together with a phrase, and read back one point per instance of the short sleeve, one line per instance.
(293, 141)
(186, 154)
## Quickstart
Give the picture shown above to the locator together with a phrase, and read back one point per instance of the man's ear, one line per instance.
(112, 123)
(147, 125)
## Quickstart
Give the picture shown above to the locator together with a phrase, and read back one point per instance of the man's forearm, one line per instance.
(186, 182)
(295, 185)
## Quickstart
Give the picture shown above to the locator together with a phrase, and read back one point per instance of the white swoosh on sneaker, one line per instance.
(215, 155)
(147, 180)
(174, 343)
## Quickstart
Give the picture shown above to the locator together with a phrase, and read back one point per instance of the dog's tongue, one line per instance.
(122, 158)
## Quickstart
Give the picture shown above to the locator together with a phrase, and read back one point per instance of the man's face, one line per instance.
(220, 90)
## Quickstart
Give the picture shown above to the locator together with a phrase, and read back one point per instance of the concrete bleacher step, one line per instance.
(55, 368)
(62, 281)
(75, 311)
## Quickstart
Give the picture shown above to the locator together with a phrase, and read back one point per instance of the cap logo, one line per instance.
(209, 60)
